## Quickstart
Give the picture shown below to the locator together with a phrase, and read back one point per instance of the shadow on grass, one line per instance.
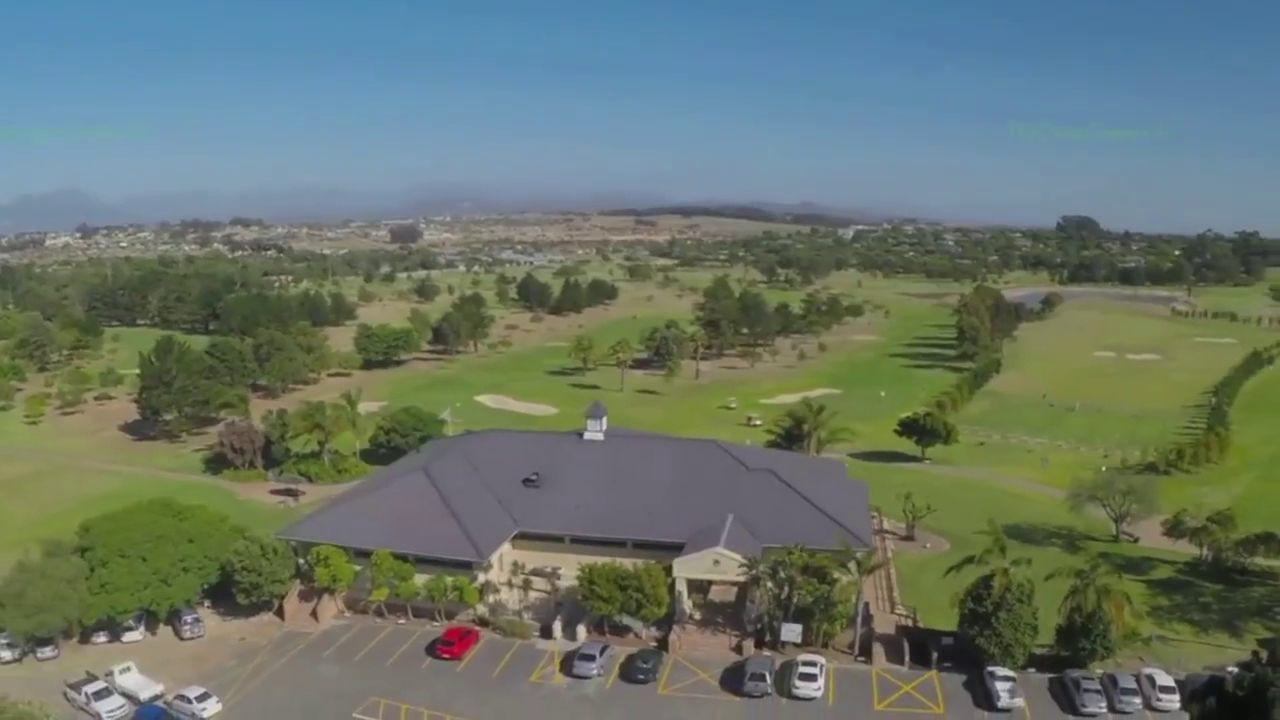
(885, 456)
(1062, 537)
(585, 386)
(647, 391)
(566, 372)
(1135, 566)
(1217, 601)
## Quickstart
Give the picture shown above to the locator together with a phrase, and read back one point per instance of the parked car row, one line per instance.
(112, 696)
(186, 623)
(807, 678)
(1091, 694)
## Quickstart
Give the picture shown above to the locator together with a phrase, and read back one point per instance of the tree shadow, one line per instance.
(1210, 600)
(585, 386)
(647, 391)
(885, 456)
(1134, 565)
(565, 372)
(1062, 537)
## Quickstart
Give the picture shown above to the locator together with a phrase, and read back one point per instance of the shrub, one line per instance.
(250, 475)
(343, 468)
(514, 627)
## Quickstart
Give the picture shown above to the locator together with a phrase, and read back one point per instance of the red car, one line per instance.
(456, 641)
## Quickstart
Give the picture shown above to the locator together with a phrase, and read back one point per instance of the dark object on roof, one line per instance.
(596, 411)
(460, 498)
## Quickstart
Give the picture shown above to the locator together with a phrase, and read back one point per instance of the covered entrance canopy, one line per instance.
(715, 554)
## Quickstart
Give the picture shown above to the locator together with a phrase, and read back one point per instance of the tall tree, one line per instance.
(1094, 613)
(583, 349)
(1124, 499)
(241, 443)
(809, 428)
(925, 429)
(45, 596)
(622, 352)
(260, 570)
(156, 554)
(913, 512)
(331, 571)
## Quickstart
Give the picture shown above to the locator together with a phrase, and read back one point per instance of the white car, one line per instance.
(194, 701)
(129, 681)
(1002, 686)
(809, 677)
(1159, 689)
(133, 629)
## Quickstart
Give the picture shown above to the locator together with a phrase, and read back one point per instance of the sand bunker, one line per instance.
(1143, 356)
(864, 337)
(1218, 340)
(797, 397)
(502, 402)
(556, 343)
(370, 406)
(1103, 353)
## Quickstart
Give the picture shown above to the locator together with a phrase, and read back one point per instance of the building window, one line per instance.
(593, 542)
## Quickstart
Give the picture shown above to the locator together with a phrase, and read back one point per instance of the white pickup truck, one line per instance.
(129, 681)
(91, 695)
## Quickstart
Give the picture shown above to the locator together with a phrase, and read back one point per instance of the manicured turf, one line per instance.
(1023, 437)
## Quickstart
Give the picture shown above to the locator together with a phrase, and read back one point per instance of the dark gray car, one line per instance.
(757, 676)
(1085, 692)
(1122, 692)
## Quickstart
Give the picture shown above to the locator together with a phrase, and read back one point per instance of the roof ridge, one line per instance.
(724, 532)
(728, 451)
(444, 499)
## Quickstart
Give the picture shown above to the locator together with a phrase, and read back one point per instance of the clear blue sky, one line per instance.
(1145, 113)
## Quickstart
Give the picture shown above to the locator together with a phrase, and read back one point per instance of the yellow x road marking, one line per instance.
(933, 705)
(699, 675)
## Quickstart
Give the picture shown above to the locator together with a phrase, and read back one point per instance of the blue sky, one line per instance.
(1147, 114)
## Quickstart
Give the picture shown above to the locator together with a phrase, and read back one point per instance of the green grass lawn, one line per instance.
(1056, 412)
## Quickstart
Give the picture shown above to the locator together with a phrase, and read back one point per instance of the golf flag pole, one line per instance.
(447, 417)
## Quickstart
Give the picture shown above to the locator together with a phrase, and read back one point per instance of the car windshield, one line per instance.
(1091, 692)
(586, 656)
(101, 694)
(807, 676)
(446, 642)
(758, 677)
(1128, 691)
(204, 696)
(1167, 689)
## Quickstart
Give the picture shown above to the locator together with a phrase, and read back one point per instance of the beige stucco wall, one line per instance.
(714, 564)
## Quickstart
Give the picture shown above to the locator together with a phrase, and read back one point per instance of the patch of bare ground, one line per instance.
(925, 542)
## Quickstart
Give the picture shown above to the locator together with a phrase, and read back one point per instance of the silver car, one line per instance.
(10, 650)
(590, 659)
(1122, 692)
(1085, 692)
(757, 676)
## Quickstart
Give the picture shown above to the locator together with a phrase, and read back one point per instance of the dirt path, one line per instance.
(259, 491)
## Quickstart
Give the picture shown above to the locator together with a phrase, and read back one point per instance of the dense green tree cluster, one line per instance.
(154, 555)
(612, 590)
(808, 428)
(997, 610)
(1213, 437)
(465, 324)
(812, 587)
(1217, 537)
(1078, 250)
(574, 295)
(730, 319)
(383, 344)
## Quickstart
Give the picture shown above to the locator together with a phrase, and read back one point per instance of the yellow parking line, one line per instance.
(937, 689)
(666, 671)
(831, 687)
(474, 651)
(404, 647)
(507, 657)
(617, 665)
(341, 640)
(368, 647)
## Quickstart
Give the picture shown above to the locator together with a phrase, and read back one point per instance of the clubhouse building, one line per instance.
(503, 503)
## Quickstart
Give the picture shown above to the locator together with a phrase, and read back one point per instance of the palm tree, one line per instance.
(1096, 587)
(809, 428)
(314, 428)
(359, 424)
(697, 339)
(994, 558)
(621, 353)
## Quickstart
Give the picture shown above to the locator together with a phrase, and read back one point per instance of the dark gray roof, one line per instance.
(596, 410)
(461, 497)
(729, 534)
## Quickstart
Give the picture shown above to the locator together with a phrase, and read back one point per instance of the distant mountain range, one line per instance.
(64, 209)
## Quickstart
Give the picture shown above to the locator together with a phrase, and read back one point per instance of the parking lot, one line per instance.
(371, 671)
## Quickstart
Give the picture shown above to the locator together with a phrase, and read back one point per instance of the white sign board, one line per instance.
(791, 633)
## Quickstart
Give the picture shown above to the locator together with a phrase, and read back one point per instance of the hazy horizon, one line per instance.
(989, 112)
